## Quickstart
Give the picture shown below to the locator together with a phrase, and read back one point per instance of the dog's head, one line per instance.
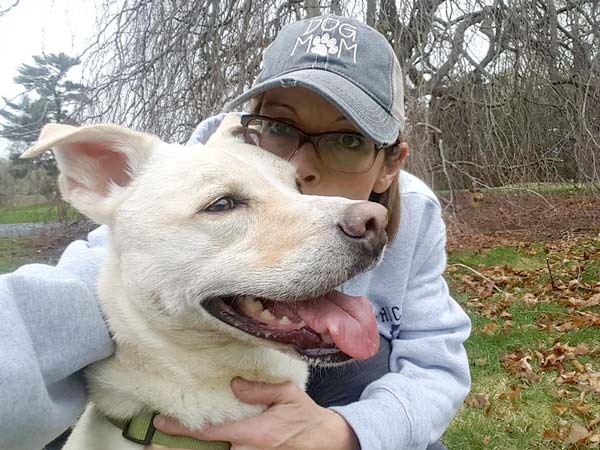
(219, 237)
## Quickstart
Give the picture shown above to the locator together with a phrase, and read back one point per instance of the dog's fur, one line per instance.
(167, 253)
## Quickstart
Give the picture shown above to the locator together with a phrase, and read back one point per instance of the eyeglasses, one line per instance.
(343, 152)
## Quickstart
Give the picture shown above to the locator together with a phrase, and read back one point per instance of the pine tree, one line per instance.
(49, 97)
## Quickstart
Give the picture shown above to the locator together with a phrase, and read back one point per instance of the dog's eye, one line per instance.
(223, 204)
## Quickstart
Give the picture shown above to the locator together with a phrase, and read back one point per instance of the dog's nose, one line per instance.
(365, 221)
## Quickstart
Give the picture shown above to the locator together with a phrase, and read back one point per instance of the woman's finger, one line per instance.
(254, 392)
(250, 430)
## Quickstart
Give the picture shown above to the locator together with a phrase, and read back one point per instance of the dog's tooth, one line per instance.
(285, 320)
(254, 305)
(267, 316)
(250, 305)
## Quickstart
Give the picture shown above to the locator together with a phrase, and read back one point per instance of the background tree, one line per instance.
(498, 93)
(6, 6)
(48, 97)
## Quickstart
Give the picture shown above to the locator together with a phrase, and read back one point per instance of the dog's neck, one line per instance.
(185, 374)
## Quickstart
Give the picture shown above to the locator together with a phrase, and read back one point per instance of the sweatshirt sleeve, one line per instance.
(411, 407)
(50, 328)
(205, 129)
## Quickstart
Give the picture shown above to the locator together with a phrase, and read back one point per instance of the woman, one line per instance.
(334, 75)
(329, 99)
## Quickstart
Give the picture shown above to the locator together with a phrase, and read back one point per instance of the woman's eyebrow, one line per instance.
(340, 118)
(280, 105)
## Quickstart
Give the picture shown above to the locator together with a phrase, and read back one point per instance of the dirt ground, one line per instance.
(52, 243)
(488, 219)
(494, 219)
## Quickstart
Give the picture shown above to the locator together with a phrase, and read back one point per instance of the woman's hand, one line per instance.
(293, 421)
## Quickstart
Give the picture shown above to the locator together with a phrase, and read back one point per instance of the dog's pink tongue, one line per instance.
(349, 320)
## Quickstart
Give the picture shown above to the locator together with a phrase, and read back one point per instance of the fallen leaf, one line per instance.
(577, 434)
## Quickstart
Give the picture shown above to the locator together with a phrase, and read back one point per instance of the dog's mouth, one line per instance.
(334, 327)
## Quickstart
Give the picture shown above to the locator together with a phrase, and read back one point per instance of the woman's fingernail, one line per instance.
(240, 383)
(159, 421)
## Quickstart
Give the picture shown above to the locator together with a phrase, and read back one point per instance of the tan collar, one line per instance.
(139, 429)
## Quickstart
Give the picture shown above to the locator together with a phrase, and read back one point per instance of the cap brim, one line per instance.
(357, 106)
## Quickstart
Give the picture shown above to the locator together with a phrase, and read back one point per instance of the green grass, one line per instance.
(553, 188)
(37, 214)
(498, 256)
(592, 271)
(540, 188)
(16, 252)
(518, 425)
(505, 425)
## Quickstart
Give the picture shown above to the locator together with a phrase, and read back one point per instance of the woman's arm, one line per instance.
(205, 129)
(410, 408)
(50, 328)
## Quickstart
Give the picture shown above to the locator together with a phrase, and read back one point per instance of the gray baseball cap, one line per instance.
(345, 61)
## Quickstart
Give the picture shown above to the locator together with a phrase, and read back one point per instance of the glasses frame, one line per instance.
(314, 139)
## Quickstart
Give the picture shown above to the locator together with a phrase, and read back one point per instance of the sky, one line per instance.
(34, 27)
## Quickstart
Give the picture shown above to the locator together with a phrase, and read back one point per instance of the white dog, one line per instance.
(217, 267)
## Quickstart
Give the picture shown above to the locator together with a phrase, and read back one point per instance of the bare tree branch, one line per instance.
(312, 7)
(336, 7)
(371, 12)
(513, 87)
(7, 9)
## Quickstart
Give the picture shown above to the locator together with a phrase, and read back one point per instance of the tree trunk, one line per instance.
(336, 8)
(312, 7)
(371, 12)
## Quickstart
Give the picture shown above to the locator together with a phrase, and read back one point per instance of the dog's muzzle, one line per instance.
(334, 327)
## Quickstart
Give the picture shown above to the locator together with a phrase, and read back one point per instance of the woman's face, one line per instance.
(312, 114)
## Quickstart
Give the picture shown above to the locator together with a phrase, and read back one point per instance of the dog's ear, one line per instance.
(96, 162)
(230, 129)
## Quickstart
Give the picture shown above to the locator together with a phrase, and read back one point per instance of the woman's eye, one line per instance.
(280, 128)
(223, 204)
(350, 141)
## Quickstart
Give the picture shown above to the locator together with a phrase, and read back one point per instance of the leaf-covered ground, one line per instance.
(535, 347)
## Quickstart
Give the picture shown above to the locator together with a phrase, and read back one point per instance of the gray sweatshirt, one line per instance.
(51, 328)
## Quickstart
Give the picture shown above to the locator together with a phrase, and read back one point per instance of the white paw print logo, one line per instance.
(324, 44)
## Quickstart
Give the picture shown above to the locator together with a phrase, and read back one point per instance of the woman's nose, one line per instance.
(306, 162)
